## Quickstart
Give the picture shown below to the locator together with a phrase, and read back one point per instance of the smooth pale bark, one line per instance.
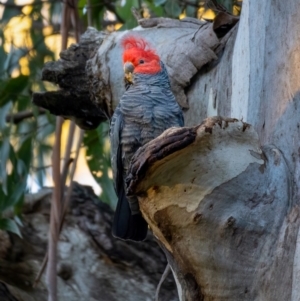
(225, 204)
(220, 206)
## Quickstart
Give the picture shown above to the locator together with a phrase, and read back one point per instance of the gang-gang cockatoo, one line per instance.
(146, 110)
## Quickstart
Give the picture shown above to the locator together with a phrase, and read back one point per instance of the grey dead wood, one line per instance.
(90, 74)
(92, 265)
(222, 197)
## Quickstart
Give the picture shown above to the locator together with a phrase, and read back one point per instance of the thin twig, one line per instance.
(162, 279)
(41, 271)
(18, 117)
(71, 132)
(65, 203)
(40, 167)
(58, 211)
(89, 13)
(55, 215)
(72, 173)
(136, 13)
(65, 26)
(56, 205)
(49, 165)
(75, 20)
(67, 155)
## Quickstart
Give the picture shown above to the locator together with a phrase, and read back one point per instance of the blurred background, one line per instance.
(30, 35)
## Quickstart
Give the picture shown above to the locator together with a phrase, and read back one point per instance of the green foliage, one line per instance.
(228, 4)
(125, 11)
(18, 142)
(11, 88)
(98, 159)
(13, 179)
(10, 225)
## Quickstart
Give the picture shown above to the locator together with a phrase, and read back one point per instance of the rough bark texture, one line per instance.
(184, 46)
(92, 264)
(72, 101)
(223, 197)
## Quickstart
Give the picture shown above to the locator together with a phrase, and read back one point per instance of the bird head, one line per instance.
(139, 58)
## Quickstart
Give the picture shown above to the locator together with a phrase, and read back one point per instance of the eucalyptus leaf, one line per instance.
(191, 10)
(18, 221)
(11, 88)
(123, 8)
(10, 11)
(10, 225)
(157, 11)
(172, 8)
(124, 11)
(16, 190)
(4, 110)
(25, 152)
(228, 4)
(3, 202)
(4, 156)
(14, 181)
(13, 57)
(159, 2)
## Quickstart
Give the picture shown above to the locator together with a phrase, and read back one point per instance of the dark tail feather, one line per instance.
(126, 225)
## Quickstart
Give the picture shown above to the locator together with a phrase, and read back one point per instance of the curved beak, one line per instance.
(128, 70)
(128, 67)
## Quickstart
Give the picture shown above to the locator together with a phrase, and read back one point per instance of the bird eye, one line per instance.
(142, 62)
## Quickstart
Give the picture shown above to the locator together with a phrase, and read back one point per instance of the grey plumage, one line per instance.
(146, 110)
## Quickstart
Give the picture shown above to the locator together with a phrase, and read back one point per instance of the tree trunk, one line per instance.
(222, 197)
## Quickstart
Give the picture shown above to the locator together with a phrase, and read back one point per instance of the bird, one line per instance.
(147, 108)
